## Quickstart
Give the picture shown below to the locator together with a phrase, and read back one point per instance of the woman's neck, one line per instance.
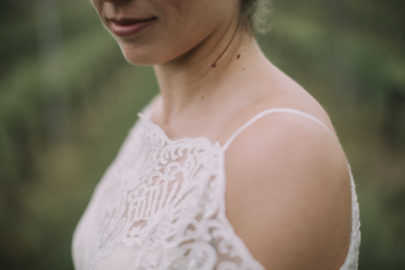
(201, 75)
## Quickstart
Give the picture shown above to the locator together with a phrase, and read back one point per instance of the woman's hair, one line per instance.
(256, 15)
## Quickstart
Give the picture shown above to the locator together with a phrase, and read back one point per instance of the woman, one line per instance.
(224, 112)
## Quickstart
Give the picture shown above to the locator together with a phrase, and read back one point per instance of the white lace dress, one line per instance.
(161, 205)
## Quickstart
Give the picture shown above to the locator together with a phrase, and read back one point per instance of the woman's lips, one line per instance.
(127, 27)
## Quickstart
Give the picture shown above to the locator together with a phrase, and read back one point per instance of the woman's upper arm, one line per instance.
(288, 194)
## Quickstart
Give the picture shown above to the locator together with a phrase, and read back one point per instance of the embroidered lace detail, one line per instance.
(161, 205)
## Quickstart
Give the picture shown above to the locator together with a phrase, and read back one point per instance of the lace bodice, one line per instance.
(161, 205)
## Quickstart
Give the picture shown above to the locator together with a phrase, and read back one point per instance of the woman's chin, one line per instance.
(137, 58)
(136, 61)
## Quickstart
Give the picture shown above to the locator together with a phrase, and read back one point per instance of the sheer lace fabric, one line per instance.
(161, 205)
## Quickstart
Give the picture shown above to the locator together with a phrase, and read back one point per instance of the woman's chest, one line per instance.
(150, 206)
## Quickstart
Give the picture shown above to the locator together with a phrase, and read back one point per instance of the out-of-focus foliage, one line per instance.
(68, 98)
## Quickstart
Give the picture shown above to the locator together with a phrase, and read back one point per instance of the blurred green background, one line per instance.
(68, 99)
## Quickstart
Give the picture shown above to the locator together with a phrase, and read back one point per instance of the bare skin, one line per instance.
(288, 187)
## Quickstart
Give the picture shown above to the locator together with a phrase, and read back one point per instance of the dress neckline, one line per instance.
(144, 117)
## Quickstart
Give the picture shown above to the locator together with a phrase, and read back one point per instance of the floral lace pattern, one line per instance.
(160, 205)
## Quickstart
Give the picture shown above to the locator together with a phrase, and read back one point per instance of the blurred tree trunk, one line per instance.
(50, 45)
(393, 128)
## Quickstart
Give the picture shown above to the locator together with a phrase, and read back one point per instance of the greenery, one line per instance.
(68, 98)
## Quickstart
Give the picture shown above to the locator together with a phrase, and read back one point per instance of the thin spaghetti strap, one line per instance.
(269, 111)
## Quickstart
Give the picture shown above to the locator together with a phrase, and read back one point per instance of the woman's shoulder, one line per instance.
(293, 178)
(272, 88)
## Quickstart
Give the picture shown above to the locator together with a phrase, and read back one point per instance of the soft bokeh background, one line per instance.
(68, 99)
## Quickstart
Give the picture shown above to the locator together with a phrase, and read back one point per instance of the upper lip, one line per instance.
(129, 20)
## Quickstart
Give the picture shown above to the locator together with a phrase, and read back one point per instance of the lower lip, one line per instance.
(130, 29)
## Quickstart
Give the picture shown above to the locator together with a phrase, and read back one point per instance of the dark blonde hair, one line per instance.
(256, 15)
